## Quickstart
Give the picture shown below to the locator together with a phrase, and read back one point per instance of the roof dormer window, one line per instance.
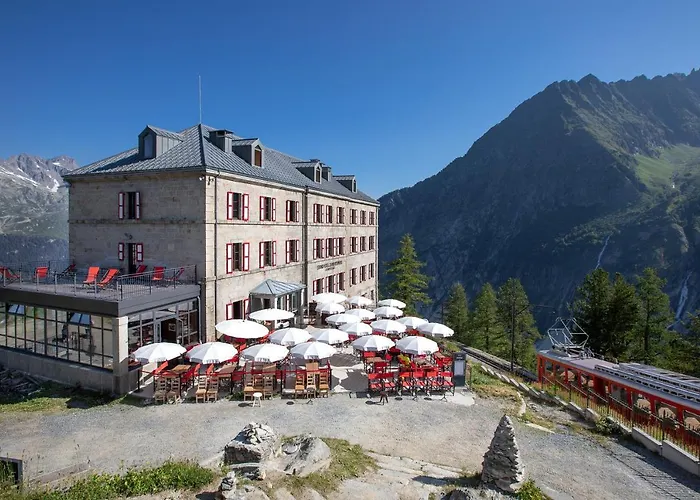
(354, 186)
(317, 174)
(258, 160)
(149, 146)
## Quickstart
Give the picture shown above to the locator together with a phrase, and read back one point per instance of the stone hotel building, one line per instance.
(202, 226)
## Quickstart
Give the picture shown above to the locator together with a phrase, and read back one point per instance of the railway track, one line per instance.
(498, 363)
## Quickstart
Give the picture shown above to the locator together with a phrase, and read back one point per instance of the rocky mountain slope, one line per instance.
(583, 174)
(33, 208)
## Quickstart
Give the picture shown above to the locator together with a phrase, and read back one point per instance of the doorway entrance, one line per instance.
(131, 258)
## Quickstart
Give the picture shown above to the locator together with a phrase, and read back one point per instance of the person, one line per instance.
(383, 396)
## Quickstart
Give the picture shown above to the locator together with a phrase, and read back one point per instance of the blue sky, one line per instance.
(390, 90)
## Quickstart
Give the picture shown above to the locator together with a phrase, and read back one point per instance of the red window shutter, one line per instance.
(262, 208)
(229, 205)
(274, 209)
(297, 219)
(274, 253)
(288, 210)
(137, 195)
(229, 258)
(246, 206)
(287, 251)
(314, 287)
(246, 256)
(229, 310)
(298, 251)
(139, 252)
(120, 209)
(120, 251)
(262, 254)
(315, 249)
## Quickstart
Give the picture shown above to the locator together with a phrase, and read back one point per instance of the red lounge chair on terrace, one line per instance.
(158, 273)
(92, 275)
(175, 277)
(41, 273)
(140, 270)
(107, 277)
(69, 271)
(7, 275)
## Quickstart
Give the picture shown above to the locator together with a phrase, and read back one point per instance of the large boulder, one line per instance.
(304, 455)
(255, 443)
(502, 466)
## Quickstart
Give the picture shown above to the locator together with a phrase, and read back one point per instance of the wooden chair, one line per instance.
(213, 389)
(174, 395)
(268, 385)
(299, 387)
(323, 387)
(248, 387)
(201, 393)
(160, 390)
(311, 384)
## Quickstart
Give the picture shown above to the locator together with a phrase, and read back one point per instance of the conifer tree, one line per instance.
(654, 315)
(590, 308)
(406, 281)
(487, 333)
(457, 314)
(517, 320)
(621, 318)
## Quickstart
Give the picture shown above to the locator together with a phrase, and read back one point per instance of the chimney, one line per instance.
(326, 172)
(222, 139)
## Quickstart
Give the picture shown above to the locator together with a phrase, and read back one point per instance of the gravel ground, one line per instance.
(434, 431)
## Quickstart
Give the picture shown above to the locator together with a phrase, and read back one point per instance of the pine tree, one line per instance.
(654, 315)
(487, 333)
(515, 317)
(622, 314)
(457, 313)
(407, 283)
(590, 308)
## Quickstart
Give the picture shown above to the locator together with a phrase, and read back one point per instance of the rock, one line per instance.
(502, 466)
(250, 470)
(255, 443)
(227, 488)
(462, 494)
(311, 455)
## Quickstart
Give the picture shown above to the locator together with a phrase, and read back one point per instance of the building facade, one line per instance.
(221, 216)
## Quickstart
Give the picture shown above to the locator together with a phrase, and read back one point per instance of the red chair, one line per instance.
(107, 278)
(175, 278)
(41, 273)
(140, 270)
(92, 275)
(158, 273)
(8, 275)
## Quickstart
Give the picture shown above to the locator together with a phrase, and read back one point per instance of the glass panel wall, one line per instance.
(177, 323)
(68, 335)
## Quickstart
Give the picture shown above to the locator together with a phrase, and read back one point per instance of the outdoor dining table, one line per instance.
(179, 371)
(228, 370)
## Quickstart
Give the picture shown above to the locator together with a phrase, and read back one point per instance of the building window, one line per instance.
(292, 251)
(329, 214)
(237, 206)
(340, 217)
(363, 243)
(268, 208)
(318, 213)
(319, 248)
(371, 217)
(268, 253)
(258, 156)
(317, 286)
(363, 273)
(237, 257)
(317, 175)
(353, 276)
(341, 281)
(149, 147)
(363, 217)
(353, 216)
(371, 271)
(330, 286)
(371, 242)
(237, 309)
(330, 247)
(353, 244)
(129, 205)
(341, 246)
(292, 211)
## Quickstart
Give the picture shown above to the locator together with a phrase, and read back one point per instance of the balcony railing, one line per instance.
(61, 278)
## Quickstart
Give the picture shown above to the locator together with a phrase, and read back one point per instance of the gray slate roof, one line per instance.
(196, 151)
(276, 288)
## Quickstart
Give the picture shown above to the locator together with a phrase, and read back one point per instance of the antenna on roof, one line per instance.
(200, 99)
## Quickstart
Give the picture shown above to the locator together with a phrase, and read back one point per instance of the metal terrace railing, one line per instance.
(62, 278)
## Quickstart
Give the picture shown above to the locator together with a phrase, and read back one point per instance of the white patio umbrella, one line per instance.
(265, 353)
(359, 301)
(330, 336)
(417, 345)
(342, 319)
(271, 315)
(412, 322)
(312, 350)
(363, 314)
(324, 298)
(212, 352)
(330, 308)
(289, 336)
(157, 352)
(373, 343)
(392, 303)
(241, 329)
(436, 330)
(358, 329)
(388, 312)
(387, 326)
